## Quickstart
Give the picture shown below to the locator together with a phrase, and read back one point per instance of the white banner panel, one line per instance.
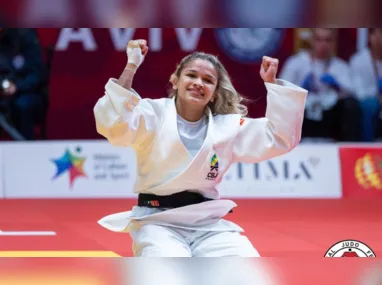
(309, 171)
(68, 169)
(2, 190)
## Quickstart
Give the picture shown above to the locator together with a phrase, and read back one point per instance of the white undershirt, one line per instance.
(192, 134)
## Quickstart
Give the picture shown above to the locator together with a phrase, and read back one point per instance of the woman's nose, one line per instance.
(198, 83)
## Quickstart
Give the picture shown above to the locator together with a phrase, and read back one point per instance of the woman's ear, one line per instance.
(174, 82)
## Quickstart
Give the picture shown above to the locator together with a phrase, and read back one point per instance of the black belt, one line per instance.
(176, 200)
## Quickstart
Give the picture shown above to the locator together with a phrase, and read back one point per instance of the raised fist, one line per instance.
(136, 51)
(268, 69)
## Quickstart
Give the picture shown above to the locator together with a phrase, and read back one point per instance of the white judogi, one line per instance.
(165, 166)
(364, 74)
(297, 68)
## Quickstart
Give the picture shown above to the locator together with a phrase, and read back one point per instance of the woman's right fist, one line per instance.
(136, 51)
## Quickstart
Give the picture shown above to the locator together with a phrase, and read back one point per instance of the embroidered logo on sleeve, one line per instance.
(241, 121)
(214, 168)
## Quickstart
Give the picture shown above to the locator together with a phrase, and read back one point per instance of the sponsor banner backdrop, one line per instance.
(361, 170)
(68, 169)
(86, 58)
(309, 171)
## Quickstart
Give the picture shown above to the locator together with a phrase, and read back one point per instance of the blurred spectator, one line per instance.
(331, 112)
(22, 73)
(366, 70)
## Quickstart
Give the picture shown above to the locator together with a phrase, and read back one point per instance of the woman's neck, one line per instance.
(188, 113)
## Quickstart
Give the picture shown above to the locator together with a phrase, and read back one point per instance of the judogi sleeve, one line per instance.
(124, 118)
(279, 131)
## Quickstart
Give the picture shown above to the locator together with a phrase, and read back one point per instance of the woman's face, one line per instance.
(197, 83)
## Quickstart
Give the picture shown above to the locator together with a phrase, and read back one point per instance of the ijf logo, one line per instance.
(350, 248)
(214, 168)
(71, 164)
(249, 45)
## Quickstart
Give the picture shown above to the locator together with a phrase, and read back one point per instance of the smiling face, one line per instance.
(197, 83)
(200, 79)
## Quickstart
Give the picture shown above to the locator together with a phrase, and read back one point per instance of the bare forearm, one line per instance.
(127, 76)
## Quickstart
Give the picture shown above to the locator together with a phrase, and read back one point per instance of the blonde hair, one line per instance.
(228, 100)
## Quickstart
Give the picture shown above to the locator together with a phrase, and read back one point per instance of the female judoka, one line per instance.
(184, 144)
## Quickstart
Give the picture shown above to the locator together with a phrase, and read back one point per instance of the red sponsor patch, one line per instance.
(154, 203)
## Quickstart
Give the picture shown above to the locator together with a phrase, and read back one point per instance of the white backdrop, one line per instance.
(1, 173)
(29, 171)
(309, 171)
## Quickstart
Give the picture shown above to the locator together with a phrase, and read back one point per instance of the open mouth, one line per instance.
(196, 93)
